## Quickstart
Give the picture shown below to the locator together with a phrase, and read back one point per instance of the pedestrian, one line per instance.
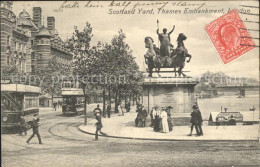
(128, 108)
(59, 104)
(108, 110)
(156, 113)
(35, 128)
(137, 119)
(163, 116)
(143, 116)
(54, 105)
(98, 128)
(169, 118)
(97, 113)
(194, 120)
(152, 117)
(199, 117)
(23, 126)
(120, 110)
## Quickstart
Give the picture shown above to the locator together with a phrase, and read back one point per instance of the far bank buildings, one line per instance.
(28, 44)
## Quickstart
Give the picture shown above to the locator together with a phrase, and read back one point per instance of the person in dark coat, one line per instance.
(98, 128)
(97, 112)
(194, 120)
(156, 114)
(108, 110)
(54, 105)
(138, 119)
(127, 106)
(199, 117)
(35, 126)
(143, 117)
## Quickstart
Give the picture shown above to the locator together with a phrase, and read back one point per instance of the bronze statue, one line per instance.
(165, 41)
(176, 58)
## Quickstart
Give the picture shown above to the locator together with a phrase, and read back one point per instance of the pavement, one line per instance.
(124, 127)
(64, 145)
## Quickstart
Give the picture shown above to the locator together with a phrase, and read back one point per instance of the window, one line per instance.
(8, 60)
(15, 44)
(24, 49)
(21, 47)
(33, 56)
(8, 40)
(31, 42)
(31, 101)
(33, 69)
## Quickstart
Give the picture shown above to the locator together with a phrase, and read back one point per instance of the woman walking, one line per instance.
(165, 127)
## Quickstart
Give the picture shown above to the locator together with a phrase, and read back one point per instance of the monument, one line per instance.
(176, 91)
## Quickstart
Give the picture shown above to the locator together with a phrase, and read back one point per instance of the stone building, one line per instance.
(28, 44)
(15, 40)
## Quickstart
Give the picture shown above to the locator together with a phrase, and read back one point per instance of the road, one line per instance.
(64, 145)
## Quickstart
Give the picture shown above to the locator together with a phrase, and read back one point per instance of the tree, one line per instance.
(119, 62)
(50, 78)
(79, 45)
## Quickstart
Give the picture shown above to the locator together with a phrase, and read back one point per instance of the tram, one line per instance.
(72, 100)
(18, 100)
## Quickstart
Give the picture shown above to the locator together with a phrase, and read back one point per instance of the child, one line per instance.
(98, 128)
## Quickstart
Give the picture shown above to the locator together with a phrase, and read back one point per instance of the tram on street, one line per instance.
(18, 100)
(72, 100)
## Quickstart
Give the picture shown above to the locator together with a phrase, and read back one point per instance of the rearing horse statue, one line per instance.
(176, 59)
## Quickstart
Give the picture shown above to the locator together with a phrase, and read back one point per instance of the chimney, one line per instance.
(37, 16)
(51, 23)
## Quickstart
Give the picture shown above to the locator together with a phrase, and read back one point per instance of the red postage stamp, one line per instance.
(229, 36)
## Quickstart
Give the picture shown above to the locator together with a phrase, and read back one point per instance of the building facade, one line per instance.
(15, 41)
(27, 44)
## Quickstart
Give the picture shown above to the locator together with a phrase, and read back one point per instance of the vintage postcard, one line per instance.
(130, 83)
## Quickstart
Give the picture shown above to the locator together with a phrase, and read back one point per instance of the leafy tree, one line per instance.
(50, 78)
(120, 63)
(79, 45)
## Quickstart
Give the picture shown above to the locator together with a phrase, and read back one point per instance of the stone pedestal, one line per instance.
(175, 92)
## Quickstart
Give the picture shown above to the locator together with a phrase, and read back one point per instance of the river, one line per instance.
(231, 102)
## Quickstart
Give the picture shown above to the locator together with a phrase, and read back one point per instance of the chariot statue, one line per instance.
(166, 56)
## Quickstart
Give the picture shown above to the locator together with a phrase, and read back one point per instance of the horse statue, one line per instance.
(176, 59)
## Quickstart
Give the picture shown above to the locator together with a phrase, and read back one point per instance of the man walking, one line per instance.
(108, 110)
(35, 126)
(194, 120)
(54, 105)
(98, 128)
(97, 112)
(127, 106)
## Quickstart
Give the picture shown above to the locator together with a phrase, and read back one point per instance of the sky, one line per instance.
(138, 26)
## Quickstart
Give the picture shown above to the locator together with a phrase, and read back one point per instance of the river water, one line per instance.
(231, 102)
